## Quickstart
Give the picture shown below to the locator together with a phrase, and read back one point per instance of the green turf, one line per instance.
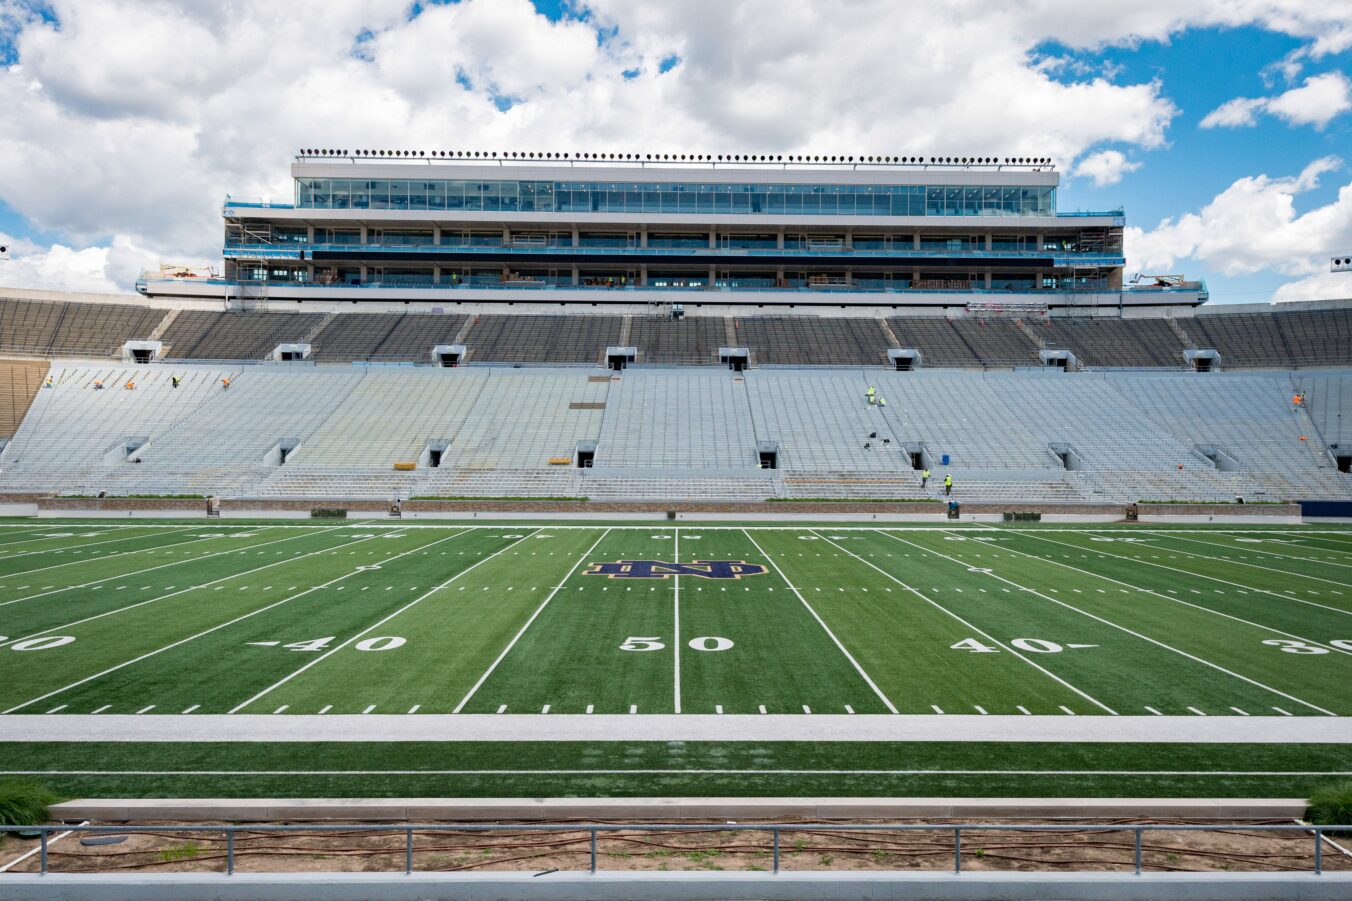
(592, 769)
(255, 617)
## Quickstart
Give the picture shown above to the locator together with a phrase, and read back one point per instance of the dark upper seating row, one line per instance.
(1273, 340)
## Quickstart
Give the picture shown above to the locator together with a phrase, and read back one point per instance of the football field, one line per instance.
(302, 618)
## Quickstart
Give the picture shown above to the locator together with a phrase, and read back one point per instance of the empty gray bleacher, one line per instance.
(89, 329)
(29, 325)
(541, 339)
(1243, 339)
(804, 340)
(1322, 338)
(414, 336)
(234, 336)
(676, 434)
(997, 342)
(1114, 342)
(353, 336)
(690, 340)
(936, 339)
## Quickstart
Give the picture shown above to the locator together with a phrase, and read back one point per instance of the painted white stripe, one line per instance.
(544, 709)
(1166, 597)
(677, 772)
(325, 709)
(217, 628)
(414, 708)
(936, 605)
(165, 597)
(1023, 710)
(676, 623)
(522, 631)
(1154, 711)
(29, 853)
(825, 628)
(192, 708)
(1196, 711)
(1134, 633)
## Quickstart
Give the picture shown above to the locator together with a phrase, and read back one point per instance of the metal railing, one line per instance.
(775, 830)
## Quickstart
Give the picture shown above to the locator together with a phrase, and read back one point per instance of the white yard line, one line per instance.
(1096, 618)
(164, 597)
(676, 619)
(410, 605)
(80, 547)
(27, 854)
(920, 594)
(100, 559)
(1266, 569)
(1246, 549)
(217, 628)
(522, 631)
(892, 708)
(1191, 574)
(1006, 547)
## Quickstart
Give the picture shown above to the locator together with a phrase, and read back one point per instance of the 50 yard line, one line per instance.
(676, 644)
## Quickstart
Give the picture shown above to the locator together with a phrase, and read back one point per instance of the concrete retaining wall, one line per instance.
(985, 886)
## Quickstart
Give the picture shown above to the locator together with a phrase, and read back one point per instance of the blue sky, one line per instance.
(126, 122)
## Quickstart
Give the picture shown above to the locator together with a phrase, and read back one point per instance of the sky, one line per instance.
(1223, 128)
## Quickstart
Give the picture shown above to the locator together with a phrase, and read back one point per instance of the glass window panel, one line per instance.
(380, 194)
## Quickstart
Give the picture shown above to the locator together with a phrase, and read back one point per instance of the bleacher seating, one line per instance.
(1243, 339)
(201, 335)
(541, 339)
(1114, 342)
(20, 381)
(692, 340)
(354, 336)
(28, 325)
(997, 342)
(938, 342)
(664, 434)
(802, 340)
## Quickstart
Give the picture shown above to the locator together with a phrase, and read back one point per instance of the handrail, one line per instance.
(594, 830)
(297, 249)
(1192, 288)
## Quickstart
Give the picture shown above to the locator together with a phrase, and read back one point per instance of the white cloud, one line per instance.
(125, 123)
(1253, 226)
(1320, 286)
(1242, 112)
(1106, 167)
(1317, 102)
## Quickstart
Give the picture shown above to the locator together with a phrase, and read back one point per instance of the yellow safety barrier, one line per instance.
(404, 467)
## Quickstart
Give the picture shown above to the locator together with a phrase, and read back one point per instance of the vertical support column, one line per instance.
(408, 853)
(915, 241)
(957, 850)
(42, 870)
(229, 852)
(988, 279)
(713, 275)
(363, 234)
(573, 269)
(1138, 850)
(776, 837)
(593, 850)
(643, 236)
(713, 238)
(643, 275)
(779, 239)
(436, 274)
(309, 234)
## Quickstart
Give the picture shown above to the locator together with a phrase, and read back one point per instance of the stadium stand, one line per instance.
(414, 336)
(1114, 342)
(692, 340)
(802, 340)
(998, 342)
(696, 421)
(541, 339)
(234, 336)
(28, 326)
(1243, 339)
(936, 339)
(662, 434)
(1318, 338)
(354, 336)
(19, 384)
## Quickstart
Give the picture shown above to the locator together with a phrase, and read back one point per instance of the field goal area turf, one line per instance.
(187, 619)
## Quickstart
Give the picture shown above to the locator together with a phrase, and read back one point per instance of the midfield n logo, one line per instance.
(657, 569)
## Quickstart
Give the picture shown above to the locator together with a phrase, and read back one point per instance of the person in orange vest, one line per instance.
(130, 386)
(98, 385)
(225, 384)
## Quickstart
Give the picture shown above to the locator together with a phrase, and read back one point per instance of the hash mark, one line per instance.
(192, 708)
(1023, 710)
(849, 709)
(1240, 712)
(325, 709)
(1282, 712)
(1196, 711)
(281, 709)
(1154, 711)
(936, 708)
(762, 708)
(369, 709)
(58, 709)
(1068, 711)
(502, 709)
(101, 709)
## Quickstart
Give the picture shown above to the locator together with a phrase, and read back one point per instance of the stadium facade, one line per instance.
(610, 229)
